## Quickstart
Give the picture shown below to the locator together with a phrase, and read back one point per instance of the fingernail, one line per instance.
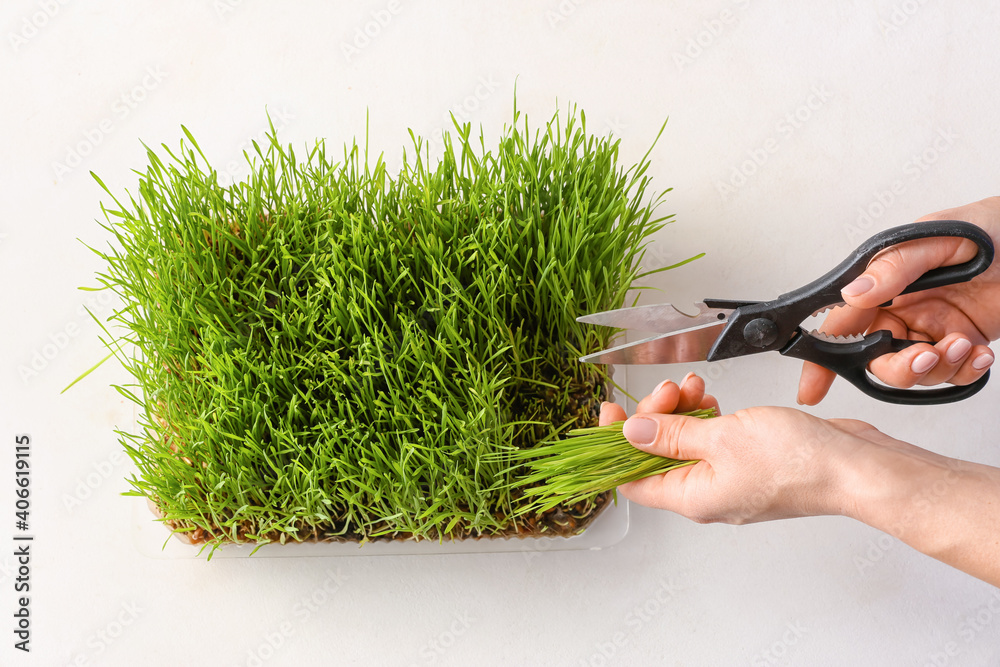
(686, 378)
(958, 350)
(982, 361)
(659, 387)
(924, 362)
(604, 403)
(640, 431)
(860, 285)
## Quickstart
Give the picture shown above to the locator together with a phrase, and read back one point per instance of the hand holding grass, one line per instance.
(771, 463)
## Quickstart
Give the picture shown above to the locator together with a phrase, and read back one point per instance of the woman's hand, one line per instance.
(666, 398)
(962, 318)
(754, 465)
(777, 463)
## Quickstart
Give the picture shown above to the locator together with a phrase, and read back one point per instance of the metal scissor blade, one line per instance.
(658, 318)
(687, 345)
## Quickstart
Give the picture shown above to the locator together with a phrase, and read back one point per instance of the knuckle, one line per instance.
(890, 263)
(853, 425)
(701, 513)
(672, 430)
(896, 372)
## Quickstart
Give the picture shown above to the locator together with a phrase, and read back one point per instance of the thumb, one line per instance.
(893, 269)
(671, 436)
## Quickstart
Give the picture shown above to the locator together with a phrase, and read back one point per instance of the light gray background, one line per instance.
(787, 121)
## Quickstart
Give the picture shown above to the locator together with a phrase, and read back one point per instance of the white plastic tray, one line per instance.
(154, 540)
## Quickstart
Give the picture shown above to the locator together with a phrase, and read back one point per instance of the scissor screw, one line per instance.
(760, 332)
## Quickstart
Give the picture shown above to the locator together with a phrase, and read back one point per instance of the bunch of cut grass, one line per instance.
(325, 351)
(586, 463)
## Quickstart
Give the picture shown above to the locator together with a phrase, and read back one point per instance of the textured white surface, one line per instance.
(900, 90)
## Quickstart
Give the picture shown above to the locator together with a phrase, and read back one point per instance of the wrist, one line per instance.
(898, 490)
(874, 487)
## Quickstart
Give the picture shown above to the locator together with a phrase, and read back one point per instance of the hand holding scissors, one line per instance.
(723, 329)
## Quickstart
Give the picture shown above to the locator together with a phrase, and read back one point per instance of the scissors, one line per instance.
(724, 329)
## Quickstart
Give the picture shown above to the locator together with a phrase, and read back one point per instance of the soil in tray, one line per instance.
(556, 522)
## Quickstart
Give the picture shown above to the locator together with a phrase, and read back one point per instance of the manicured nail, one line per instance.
(924, 362)
(659, 387)
(958, 350)
(640, 431)
(860, 285)
(686, 378)
(982, 361)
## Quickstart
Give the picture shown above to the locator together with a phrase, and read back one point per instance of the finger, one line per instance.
(907, 368)
(671, 436)
(845, 320)
(953, 350)
(814, 383)
(928, 318)
(897, 326)
(894, 268)
(611, 413)
(976, 364)
(692, 390)
(663, 399)
(665, 491)
(709, 401)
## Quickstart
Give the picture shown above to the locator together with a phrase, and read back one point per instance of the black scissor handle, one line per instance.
(826, 290)
(850, 361)
(856, 264)
(770, 325)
